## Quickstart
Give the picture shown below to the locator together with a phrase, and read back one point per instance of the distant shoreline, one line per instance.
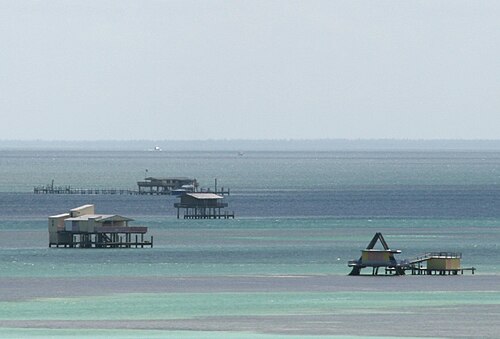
(242, 145)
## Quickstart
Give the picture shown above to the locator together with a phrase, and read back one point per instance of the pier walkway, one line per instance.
(436, 263)
(69, 190)
(48, 189)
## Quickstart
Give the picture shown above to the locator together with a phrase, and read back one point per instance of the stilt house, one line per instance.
(202, 206)
(376, 258)
(81, 227)
(159, 186)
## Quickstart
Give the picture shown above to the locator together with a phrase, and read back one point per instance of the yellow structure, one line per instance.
(444, 261)
(376, 258)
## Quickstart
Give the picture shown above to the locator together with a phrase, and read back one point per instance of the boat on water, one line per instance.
(183, 190)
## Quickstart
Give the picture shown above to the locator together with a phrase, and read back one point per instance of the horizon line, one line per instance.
(257, 140)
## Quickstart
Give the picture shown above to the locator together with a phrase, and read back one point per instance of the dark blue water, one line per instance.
(452, 201)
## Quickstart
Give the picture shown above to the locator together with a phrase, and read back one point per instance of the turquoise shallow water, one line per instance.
(248, 247)
(45, 333)
(278, 269)
(169, 306)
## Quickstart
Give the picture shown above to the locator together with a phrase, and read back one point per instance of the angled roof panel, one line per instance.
(100, 218)
(205, 196)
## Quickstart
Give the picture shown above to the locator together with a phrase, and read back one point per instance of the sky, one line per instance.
(184, 70)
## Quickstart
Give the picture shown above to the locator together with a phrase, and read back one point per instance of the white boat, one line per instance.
(183, 190)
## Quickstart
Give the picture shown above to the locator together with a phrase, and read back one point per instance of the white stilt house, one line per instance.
(82, 227)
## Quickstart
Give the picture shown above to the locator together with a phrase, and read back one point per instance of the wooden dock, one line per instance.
(425, 271)
(82, 191)
(119, 191)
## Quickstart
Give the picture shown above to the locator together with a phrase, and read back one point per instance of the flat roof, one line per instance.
(100, 217)
(382, 250)
(205, 196)
(169, 178)
(60, 215)
(81, 207)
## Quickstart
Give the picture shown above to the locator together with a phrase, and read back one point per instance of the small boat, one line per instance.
(178, 192)
(183, 190)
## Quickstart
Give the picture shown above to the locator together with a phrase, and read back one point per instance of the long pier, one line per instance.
(70, 190)
(49, 189)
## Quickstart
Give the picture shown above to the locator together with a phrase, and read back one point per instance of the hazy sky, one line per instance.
(118, 69)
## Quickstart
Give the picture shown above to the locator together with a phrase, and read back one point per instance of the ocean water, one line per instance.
(278, 269)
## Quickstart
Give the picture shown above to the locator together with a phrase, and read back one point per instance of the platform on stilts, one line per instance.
(431, 263)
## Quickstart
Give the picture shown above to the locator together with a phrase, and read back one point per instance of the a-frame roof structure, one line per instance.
(378, 236)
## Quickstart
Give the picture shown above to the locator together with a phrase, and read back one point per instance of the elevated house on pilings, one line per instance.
(158, 186)
(442, 263)
(203, 205)
(82, 227)
(376, 258)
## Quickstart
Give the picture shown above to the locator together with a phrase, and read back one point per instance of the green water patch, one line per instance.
(41, 333)
(162, 306)
(46, 270)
